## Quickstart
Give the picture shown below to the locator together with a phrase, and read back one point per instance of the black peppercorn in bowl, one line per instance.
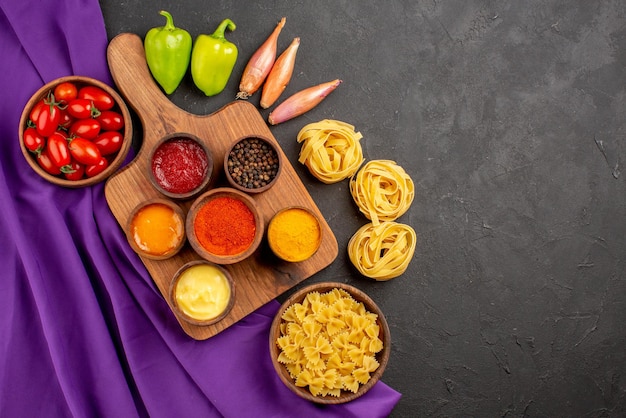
(252, 164)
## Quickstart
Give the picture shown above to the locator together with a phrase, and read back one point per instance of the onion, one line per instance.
(260, 64)
(280, 75)
(301, 102)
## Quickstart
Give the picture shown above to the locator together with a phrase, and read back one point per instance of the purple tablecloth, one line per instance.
(84, 330)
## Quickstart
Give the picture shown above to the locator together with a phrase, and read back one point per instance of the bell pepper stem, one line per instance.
(226, 24)
(169, 24)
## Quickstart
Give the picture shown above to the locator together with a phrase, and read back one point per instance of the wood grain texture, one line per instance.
(258, 279)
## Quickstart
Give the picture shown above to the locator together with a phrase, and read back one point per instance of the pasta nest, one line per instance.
(382, 190)
(384, 251)
(330, 149)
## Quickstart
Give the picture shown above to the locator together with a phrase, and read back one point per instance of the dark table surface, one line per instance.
(509, 117)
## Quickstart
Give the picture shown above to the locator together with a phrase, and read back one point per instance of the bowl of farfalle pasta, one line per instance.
(330, 343)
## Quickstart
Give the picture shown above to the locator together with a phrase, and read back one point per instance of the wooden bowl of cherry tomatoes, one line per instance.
(75, 131)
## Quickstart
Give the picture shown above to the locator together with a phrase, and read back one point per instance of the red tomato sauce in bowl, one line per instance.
(180, 166)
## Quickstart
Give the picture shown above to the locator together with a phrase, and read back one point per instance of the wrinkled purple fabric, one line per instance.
(84, 330)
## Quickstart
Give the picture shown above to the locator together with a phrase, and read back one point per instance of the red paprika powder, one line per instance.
(225, 226)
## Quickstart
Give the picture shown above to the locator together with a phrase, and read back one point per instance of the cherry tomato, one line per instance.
(66, 119)
(85, 128)
(82, 109)
(111, 120)
(99, 167)
(109, 142)
(65, 92)
(33, 141)
(74, 171)
(61, 133)
(36, 110)
(48, 119)
(58, 150)
(84, 151)
(100, 98)
(45, 162)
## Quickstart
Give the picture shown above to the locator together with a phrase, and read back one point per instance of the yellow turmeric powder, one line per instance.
(294, 234)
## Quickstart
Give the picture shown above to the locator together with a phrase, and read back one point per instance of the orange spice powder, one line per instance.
(225, 226)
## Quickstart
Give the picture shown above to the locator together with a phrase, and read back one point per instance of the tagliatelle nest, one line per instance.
(330, 149)
(382, 190)
(384, 251)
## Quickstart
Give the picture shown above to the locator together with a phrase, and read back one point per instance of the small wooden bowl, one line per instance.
(180, 312)
(114, 164)
(229, 157)
(290, 236)
(209, 196)
(130, 234)
(202, 186)
(382, 356)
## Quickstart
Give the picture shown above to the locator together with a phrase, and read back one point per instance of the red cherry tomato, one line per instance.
(109, 142)
(100, 98)
(58, 150)
(74, 171)
(65, 92)
(66, 119)
(84, 151)
(45, 162)
(85, 128)
(62, 133)
(36, 110)
(111, 120)
(33, 141)
(99, 167)
(48, 119)
(82, 109)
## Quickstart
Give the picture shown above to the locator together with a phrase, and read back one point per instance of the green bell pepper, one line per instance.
(168, 52)
(212, 59)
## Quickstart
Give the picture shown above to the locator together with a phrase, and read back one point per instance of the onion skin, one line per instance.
(280, 75)
(301, 102)
(260, 64)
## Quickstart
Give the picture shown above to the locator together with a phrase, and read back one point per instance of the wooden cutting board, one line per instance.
(258, 279)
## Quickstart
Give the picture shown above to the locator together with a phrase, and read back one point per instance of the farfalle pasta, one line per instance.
(382, 190)
(330, 150)
(384, 251)
(328, 343)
